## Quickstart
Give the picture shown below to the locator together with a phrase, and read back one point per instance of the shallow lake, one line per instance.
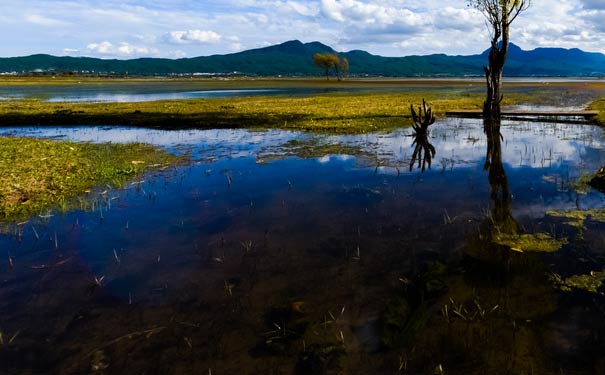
(150, 90)
(124, 93)
(281, 252)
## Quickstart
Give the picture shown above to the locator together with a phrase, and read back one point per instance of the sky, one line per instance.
(128, 29)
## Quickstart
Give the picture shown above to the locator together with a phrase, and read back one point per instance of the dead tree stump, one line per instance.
(424, 152)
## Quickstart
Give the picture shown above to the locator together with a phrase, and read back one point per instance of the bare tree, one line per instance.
(499, 15)
(424, 151)
(342, 68)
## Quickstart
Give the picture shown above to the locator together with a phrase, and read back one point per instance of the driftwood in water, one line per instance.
(424, 152)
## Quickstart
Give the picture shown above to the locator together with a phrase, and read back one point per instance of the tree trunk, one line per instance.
(493, 72)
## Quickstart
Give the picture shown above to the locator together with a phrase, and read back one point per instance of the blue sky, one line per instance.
(178, 28)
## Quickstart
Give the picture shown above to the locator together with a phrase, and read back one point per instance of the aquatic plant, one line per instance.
(591, 282)
(537, 242)
(576, 218)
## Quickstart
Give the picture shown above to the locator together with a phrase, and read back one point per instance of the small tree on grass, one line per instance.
(326, 61)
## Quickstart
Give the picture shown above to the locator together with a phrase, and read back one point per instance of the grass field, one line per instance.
(340, 113)
(362, 105)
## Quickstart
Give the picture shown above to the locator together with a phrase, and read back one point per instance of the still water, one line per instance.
(120, 95)
(291, 253)
(131, 93)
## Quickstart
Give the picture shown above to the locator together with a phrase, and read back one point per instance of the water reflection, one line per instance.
(498, 182)
(324, 260)
(424, 151)
(504, 305)
(149, 97)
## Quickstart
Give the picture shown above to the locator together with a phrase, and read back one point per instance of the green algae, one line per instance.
(590, 282)
(577, 218)
(537, 242)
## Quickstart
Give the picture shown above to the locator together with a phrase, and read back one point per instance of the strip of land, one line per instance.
(470, 113)
(337, 113)
(36, 174)
(363, 105)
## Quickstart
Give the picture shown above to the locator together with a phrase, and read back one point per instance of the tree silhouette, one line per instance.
(424, 152)
(499, 15)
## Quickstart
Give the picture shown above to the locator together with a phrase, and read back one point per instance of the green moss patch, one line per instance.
(537, 242)
(591, 282)
(38, 173)
(576, 218)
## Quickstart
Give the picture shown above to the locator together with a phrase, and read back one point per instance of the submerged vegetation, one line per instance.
(37, 173)
(311, 148)
(591, 282)
(537, 242)
(576, 218)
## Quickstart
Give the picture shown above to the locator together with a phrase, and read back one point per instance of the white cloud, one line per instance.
(123, 49)
(125, 28)
(353, 11)
(70, 51)
(103, 47)
(194, 36)
(43, 20)
(178, 54)
(235, 45)
(309, 10)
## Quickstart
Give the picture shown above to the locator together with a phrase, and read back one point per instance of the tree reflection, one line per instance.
(424, 152)
(501, 218)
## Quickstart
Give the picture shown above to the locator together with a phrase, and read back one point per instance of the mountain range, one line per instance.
(294, 58)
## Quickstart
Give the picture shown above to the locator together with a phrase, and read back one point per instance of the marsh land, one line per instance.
(352, 106)
(296, 231)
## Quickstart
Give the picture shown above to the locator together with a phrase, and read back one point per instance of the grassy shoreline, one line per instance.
(372, 105)
(38, 174)
(335, 113)
(599, 105)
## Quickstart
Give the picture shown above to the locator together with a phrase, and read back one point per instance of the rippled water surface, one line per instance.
(280, 252)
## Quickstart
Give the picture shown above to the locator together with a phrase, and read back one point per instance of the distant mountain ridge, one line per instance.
(294, 58)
